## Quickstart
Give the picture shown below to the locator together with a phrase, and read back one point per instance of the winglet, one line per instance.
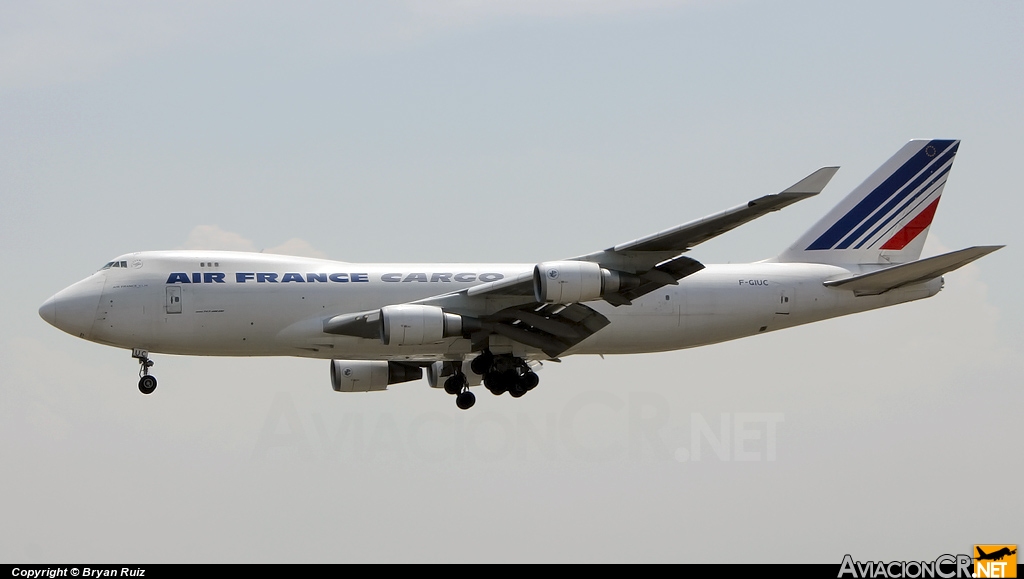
(815, 182)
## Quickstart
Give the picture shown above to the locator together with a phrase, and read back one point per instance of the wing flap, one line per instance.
(879, 282)
(552, 328)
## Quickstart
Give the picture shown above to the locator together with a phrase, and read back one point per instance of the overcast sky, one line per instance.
(473, 130)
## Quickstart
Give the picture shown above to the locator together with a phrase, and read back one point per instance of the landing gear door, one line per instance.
(173, 299)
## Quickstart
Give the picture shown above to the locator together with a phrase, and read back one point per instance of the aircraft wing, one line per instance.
(508, 307)
(646, 252)
(551, 328)
(657, 258)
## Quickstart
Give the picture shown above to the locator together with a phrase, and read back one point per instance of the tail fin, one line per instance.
(885, 220)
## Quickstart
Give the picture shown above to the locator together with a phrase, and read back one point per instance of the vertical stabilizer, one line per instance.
(884, 220)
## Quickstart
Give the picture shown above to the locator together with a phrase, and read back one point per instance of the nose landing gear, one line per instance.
(147, 383)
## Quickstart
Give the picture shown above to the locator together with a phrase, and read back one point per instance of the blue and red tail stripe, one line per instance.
(911, 230)
(922, 198)
(923, 173)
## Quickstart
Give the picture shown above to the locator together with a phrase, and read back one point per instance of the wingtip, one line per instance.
(815, 182)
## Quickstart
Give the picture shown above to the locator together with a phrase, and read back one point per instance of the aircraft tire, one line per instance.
(482, 363)
(465, 400)
(530, 380)
(453, 385)
(494, 382)
(147, 384)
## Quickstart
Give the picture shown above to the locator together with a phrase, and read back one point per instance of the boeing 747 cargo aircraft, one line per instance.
(463, 324)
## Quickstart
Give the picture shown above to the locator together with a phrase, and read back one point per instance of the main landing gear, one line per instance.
(501, 374)
(147, 383)
(505, 374)
(458, 385)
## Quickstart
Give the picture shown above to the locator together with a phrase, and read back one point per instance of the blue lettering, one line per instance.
(391, 277)
(465, 277)
(416, 277)
(178, 278)
(441, 277)
(267, 277)
(213, 278)
(490, 276)
(197, 277)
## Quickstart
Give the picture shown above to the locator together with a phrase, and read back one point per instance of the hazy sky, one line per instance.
(473, 130)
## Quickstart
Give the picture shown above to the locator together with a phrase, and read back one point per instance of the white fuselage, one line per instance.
(245, 304)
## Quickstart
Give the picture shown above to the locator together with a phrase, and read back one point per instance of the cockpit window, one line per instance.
(114, 264)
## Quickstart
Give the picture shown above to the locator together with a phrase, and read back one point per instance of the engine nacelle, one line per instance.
(416, 325)
(438, 372)
(568, 282)
(369, 376)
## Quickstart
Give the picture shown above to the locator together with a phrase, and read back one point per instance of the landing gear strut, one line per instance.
(147, 383)
(458, 385)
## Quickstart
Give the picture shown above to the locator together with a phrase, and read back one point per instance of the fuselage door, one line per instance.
(173, 299)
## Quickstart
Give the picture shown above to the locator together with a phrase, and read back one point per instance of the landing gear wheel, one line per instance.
(455, 383)
(481, 365)
(147, 384)
(465, 400)
(530, 380)
(495, 382)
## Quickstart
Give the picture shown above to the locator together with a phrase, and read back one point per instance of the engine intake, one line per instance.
(568, 282)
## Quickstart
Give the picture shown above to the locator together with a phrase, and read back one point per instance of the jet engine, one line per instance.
(369, 376)
(416, 325)
(439, 371)
(568, 282)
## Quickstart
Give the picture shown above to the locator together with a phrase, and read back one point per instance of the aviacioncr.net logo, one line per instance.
(944, 567)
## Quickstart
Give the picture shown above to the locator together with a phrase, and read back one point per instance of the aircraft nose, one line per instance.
(48, 311)
(73, 309)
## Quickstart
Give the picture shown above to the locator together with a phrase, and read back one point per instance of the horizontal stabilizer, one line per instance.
(878, 282)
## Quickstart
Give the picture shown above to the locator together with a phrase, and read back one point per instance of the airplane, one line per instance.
(466, 324)
(995, 555)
